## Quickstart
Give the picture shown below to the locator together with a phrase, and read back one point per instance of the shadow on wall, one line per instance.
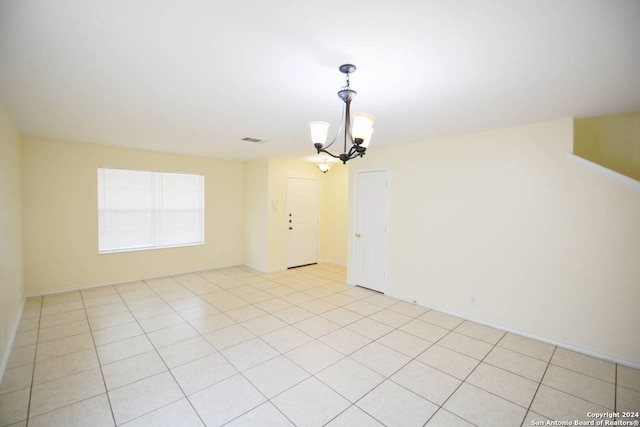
(610, 141)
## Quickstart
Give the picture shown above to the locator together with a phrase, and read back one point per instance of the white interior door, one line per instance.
(302, 221)
(371, 229)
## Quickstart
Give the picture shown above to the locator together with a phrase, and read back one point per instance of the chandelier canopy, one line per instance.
(357, 135)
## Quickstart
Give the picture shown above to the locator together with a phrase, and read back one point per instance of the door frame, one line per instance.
(354, 213)
(286, 217)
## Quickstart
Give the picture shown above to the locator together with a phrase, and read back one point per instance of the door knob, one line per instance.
(290, 228)
(358, 235)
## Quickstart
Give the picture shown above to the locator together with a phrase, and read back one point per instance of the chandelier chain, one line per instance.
(347, 86)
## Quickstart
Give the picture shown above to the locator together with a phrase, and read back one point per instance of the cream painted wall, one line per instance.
(610, 141)
(11, 276)
(335, 214)
(547, 247)
(265, 197)
(256, 215)
(279, 171)
(61, 221)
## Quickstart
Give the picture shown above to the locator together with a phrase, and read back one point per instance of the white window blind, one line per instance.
(144, 210)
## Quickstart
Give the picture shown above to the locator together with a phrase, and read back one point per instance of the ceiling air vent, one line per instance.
(254, 140)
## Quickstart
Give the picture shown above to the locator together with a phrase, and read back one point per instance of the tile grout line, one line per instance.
(415, 358)
(241, 373)
(582, 374)
(388, 378)
(35, 354)
(199, 334)
(238, 371)
(145, 334)
(289, 284)
(279, 354)
(587, 374)
(53, 357)
(539, 385)
(95, 349)
(345, 356)
(55, 379)
(124, 301)
(311, 375)
(161, 358)
(381, 308)
(615, 389)
(135, 320)
(464, 381)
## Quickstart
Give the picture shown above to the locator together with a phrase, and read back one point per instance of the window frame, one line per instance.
(155, 210)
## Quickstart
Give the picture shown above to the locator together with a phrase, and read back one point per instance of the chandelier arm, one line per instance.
(353, 152)
(356, 151)
(356, 148)
(323, 150)
(337, 133)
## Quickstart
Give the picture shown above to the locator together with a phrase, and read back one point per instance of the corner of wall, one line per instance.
(11, 212)
(611, 141)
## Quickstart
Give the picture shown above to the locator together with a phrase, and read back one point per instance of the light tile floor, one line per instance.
(236, 347)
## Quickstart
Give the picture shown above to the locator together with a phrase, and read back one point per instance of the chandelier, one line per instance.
(357, 136)
(324, 166)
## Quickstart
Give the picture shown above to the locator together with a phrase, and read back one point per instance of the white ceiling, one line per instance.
(196, 76)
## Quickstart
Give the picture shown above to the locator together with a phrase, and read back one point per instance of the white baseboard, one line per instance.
(135, 279)
(328, 261)
(12, 337)
(577, 349)
(156, 276)
(614, 359)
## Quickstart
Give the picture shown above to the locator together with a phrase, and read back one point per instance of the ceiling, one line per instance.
(197, 76)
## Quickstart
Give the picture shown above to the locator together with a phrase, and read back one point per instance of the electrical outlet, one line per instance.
(473, 300)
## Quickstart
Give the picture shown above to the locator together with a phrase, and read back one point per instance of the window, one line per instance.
(145, 210)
